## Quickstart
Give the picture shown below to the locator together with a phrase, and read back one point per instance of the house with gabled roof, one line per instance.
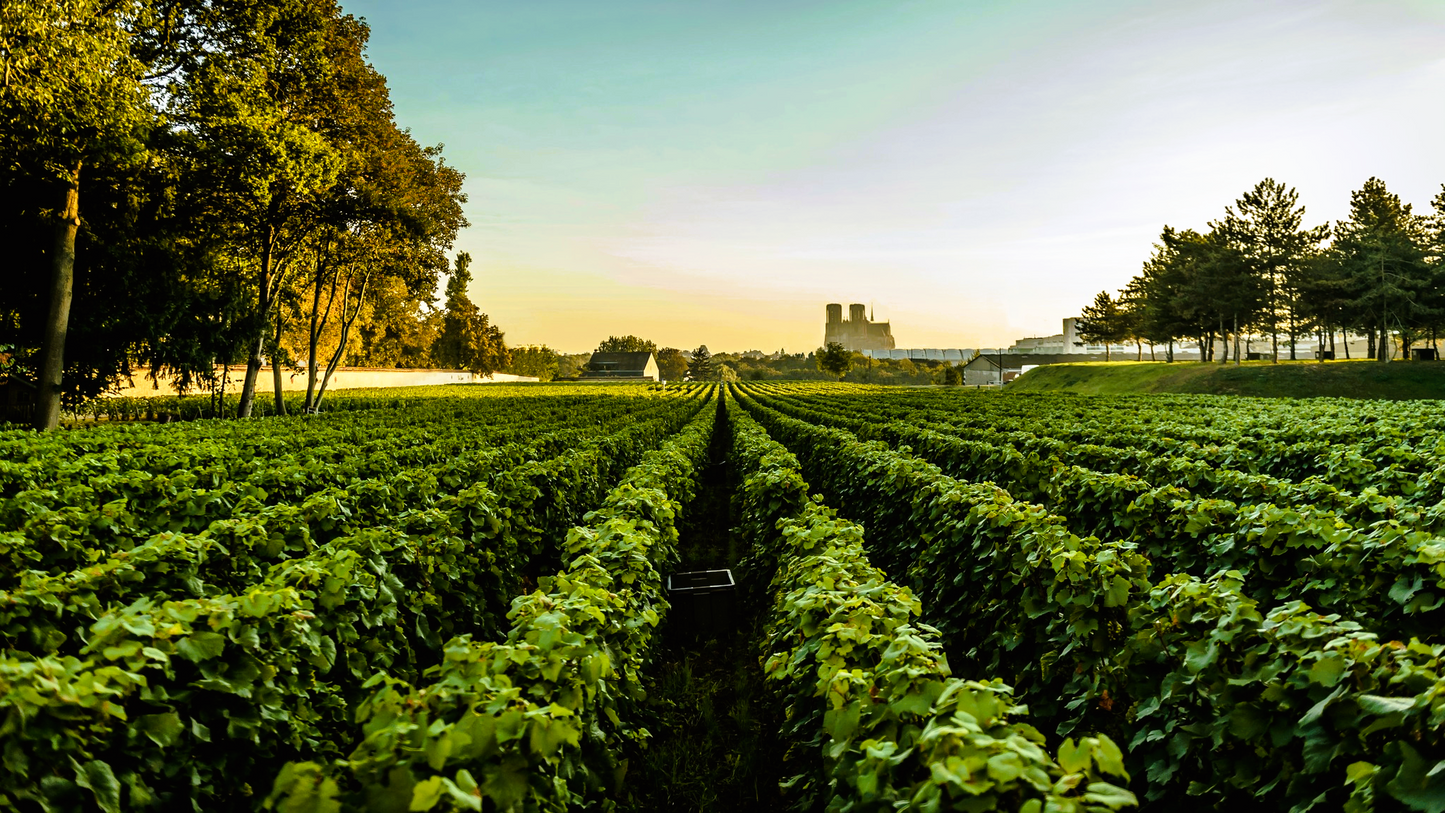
(621, 367)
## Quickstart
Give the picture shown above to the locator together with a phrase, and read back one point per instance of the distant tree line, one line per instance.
(192, 183)
(1259, 271)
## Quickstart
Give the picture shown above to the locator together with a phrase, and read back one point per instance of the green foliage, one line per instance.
(870, 690)
(1259, 271)
(256, 174)
(701, 367)
(160, 671)
(468, 339)
(533, 720)
(833, 359)
(626, 344)
(539, 362)
(1219, 696)
(671, 364)
(1103, 322)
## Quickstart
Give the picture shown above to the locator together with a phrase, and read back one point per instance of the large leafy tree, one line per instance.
(73, 102)
(385, 224)
(1222, 293)
(255, 104)
(671, 364)
(537, 361)
(834, 359)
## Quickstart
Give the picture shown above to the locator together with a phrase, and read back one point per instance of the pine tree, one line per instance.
(468, 340)
(1102, 322)
(701, 367)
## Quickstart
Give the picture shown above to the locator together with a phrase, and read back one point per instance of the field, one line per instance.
(1399, 380)
(947, 601)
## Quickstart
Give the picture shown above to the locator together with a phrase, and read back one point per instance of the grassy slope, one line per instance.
(1348, 379)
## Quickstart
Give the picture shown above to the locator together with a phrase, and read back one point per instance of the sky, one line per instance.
(716, 172)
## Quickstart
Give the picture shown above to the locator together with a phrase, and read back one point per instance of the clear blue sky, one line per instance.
(707, 172)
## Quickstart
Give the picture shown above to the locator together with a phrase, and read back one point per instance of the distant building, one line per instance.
(1064, 343)
(857, 332)
(952, 356)
(621, 367)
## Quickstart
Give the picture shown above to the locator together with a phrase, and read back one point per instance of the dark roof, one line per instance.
(617, 364)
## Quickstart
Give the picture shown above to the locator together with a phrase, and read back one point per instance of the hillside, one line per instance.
(1300, 379)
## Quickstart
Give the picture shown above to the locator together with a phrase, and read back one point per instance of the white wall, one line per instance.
(345, 378)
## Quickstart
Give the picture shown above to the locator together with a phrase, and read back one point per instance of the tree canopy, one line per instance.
(834, 359)
(671, 364)
(701, 367)
(626, 344)
(187, 185)
(1260, 271)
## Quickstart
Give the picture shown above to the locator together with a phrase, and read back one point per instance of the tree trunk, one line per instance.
(348, 321)
(253, 364)
(57, 322)
(272, 276)
(1370, 344)
(1139, 343)
(1293, 335)
(312, 337)
(319, 319)
(1223, 341)
(1152, 357)
(1274, 342)
(220, 402)
(1169, 353)
(276, 365)
(1236, 339)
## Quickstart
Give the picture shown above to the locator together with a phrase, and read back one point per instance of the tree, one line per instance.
(1265, 226)
(1383, 262)
(398, 329)
(1102, 323)
(537, 361)
(626, 344)
(701, 368)
(834, 359)
(257, 104)
(468, 339)
(71, 97)
(384, 226)
(671, 364)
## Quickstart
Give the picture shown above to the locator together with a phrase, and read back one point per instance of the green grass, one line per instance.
(1298, 379)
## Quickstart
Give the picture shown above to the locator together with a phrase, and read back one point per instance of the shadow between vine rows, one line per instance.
(714, 724)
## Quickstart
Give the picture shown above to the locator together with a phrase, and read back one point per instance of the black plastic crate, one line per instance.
(704, 603)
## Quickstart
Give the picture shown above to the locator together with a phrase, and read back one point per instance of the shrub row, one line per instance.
(531, 722)
(874, 715)
(1218, 698)
(176, 703)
